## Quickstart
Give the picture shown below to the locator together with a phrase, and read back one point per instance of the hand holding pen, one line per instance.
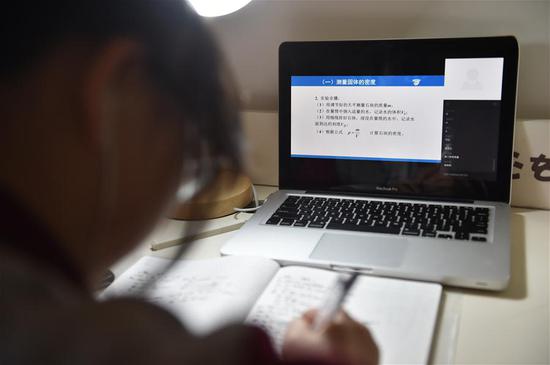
(329, 334)
(333, 302)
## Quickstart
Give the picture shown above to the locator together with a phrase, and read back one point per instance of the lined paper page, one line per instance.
(292, 291)
(400, 314)
(203, 294)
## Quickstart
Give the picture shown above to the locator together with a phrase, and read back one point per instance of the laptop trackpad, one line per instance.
(360, 250)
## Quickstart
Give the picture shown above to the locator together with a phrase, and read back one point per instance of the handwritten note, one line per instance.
(204, 294)
(288, 296)
(209, 294)
(400, 314)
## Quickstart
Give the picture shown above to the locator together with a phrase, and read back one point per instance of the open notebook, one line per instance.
(208, 294)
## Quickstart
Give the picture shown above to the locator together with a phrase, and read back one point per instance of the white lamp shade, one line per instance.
(212, 8)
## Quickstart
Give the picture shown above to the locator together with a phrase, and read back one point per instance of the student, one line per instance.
(106, 108)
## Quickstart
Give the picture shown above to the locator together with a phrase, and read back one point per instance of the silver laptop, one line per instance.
(395, 160)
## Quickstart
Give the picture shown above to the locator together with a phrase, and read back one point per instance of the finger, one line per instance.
(342, 317)
(310, 316)
(302, 324)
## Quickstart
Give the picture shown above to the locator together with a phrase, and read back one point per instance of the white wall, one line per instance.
(251, 36)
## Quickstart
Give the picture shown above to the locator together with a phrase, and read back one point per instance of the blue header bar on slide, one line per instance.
(369, 81)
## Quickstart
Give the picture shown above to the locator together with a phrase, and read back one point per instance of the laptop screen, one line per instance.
(431, 128)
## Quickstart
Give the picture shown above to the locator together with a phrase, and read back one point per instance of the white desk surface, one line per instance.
(475, 327)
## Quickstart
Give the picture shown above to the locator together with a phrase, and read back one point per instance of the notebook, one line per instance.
(209, 294)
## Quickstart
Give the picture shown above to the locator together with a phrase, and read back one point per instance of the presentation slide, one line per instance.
(384, 118)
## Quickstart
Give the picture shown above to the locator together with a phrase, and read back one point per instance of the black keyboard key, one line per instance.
(364, 228)
(288, 216)
(446, 236)
(409, 232)
(316, 225)
(481, 225)
(425, 226)
(457, 228)
(338, 220)
(286, 222)
(288, 209)
(479, 239)
(273, 221)
(462, 236)
(482, 219)
(428, 234)
(300, 223)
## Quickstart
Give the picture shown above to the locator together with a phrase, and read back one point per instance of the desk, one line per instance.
(475, 327)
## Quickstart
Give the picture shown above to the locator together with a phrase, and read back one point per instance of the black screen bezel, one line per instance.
(326, 58)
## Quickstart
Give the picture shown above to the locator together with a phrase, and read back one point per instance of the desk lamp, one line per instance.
(213, 8)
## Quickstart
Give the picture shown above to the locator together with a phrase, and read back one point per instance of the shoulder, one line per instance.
(44, 316)
(48, 321)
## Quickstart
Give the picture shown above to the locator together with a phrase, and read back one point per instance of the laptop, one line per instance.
(395, 160)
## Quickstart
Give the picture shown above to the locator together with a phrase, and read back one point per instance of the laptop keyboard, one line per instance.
(399, 218)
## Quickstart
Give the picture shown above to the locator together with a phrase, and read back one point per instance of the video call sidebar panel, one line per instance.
(470, 138)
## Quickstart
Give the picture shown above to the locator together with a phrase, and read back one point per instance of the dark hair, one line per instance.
(182, 55)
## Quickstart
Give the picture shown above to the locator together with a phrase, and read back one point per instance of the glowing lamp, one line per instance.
(213, 8)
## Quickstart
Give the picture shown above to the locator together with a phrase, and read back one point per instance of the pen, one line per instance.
(334, 301)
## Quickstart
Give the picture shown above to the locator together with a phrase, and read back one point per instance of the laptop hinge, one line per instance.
(371, 195)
